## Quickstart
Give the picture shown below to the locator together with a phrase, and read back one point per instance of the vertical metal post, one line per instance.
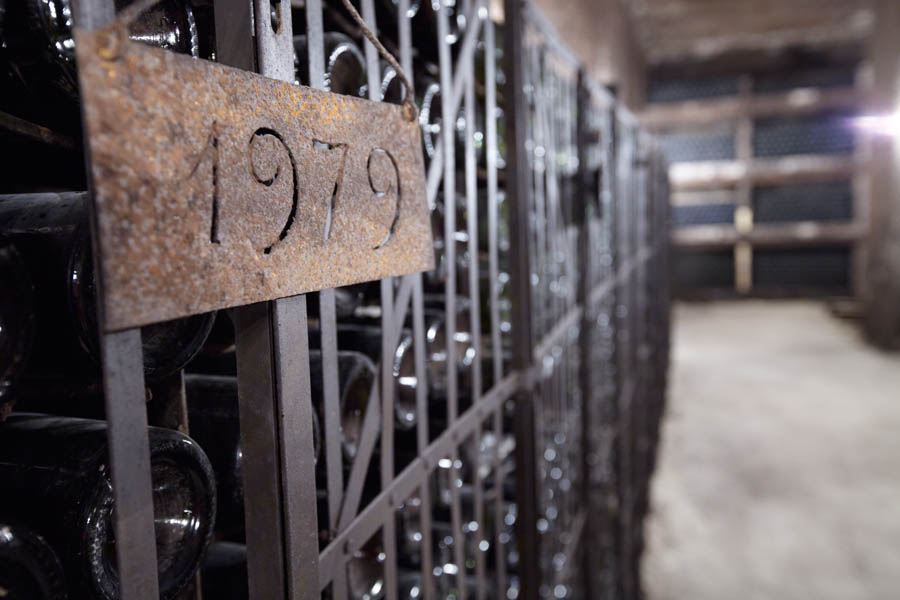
(129, 459)
(331, 410)
(493, 223)
(518, 197)
(585, 342)
(273, 384)
(474, 294)
(448, 118)
(389, 536)
(260, 464)
(126, 414)
(404, 30)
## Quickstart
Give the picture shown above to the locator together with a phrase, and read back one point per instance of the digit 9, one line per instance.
(384, 178)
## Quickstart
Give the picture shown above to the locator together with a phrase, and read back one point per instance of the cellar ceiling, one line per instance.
(671, 31)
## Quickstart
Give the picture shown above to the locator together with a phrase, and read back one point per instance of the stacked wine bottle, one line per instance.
(57, 535)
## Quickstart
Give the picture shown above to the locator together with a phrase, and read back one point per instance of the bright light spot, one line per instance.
(451, 569)
(483, 545)
(879, 124)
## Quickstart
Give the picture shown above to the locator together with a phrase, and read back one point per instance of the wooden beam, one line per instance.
(807, 233)
(728, 173)
(679, 115)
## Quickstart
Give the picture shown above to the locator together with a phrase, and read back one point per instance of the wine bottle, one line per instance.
(366, 338)
(51, 233)
(224, 572)
(437, 335)
(345, 66)
(410, 585)
(430, 115)
(29, 568)
(409, 530)
(42, 47)
(55, 477)
(435, 279)
(213, 414)
(214, 417)
(425, 26)
(16, 321)
(356, 376)
(393, 7)
(392, 89)
(431, 122)
(346, 300)
(365, 572)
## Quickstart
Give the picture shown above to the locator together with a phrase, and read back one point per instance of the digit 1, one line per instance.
(212, 144)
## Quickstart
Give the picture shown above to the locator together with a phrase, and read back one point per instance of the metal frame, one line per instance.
(585, 200)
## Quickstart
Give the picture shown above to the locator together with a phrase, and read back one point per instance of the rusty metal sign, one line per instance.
(215, 187)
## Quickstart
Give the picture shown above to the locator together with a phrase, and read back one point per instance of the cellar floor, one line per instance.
(779, 467)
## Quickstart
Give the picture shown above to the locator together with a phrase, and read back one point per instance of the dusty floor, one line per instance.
(779, 473)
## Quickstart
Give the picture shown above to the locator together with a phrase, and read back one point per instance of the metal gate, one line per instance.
(506, 444)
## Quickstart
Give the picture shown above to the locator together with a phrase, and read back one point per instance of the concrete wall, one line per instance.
(600, 33)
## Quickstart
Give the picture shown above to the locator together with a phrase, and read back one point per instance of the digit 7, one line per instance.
(336, 190)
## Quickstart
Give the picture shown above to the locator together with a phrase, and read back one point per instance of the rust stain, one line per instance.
(216, 187)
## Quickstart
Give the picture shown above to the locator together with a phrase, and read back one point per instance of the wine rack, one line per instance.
(765, 163)
(485, 430)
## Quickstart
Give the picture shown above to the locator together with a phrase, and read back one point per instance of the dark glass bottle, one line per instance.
(366, 338)
(345, 65)
(410, 584)
(54, 474)
(42, 48)
(392, 89)
(224, 572)
(356, 376)
(365, 572)
(431, 122)
(393, 7)
(425, 27)
(16, 321)
(214, 423)
(29, 568)
(346, 300)
(213, 414)
(51, 233)
(435, 279)
(430, 115)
